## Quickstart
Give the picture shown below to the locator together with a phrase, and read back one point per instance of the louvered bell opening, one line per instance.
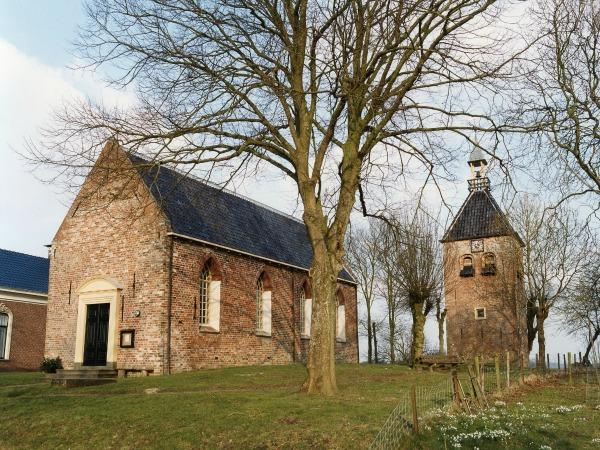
(467, 271)
(489, 269)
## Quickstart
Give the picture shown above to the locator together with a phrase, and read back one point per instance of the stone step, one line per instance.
(78, 382)
(86, 373)
(83, 377)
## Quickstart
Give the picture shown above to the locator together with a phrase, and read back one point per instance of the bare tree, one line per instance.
(556, 247)
(387, 285)
(335, 95)
(362, 257)
(561, 96)
(581, 309)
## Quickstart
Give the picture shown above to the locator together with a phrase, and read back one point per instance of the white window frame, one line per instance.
(204, 295)
(341, 323)
(212, 319)
(5, 310)
(305, 315)
(263, 309)
(484, 313)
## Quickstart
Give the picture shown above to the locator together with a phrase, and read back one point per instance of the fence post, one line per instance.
(522, 368)
(375, 341)
(477, 371)
(558, 356)
(547, 362)
(570, 374)
(413, 401)
(579, 357)
(507, 369)
(497, 364)
(565, 363)
(482, 371)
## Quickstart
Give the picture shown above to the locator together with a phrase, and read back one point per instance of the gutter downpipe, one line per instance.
(169, 304)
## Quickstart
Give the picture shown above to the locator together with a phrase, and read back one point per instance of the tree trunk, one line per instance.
(321, 356)
(392, 337)
(532, 310)
(418, 335)
(541, 339)
(586, 356)
(441, 332)
(375, 343)
(369, 335)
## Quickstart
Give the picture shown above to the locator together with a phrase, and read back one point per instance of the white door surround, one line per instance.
(98, 290)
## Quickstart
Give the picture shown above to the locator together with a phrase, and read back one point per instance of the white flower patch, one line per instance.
(500, 404)
(567, 409)
(596, 441)
(545, 447)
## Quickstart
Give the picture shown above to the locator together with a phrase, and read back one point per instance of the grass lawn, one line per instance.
(550, 415)
(244, 407)
(260, 407)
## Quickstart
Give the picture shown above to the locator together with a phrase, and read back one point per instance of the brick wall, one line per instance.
(237, 342)
(501, 295)
(27, 337)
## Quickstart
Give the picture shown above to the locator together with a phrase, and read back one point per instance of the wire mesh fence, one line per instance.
(468, 386)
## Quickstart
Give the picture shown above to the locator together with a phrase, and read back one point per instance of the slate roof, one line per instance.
(216, 216)
(23, 272)
(479, 217)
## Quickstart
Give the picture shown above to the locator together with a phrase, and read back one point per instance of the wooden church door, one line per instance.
(96, 334)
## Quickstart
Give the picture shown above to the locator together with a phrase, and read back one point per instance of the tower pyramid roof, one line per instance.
(480, 216)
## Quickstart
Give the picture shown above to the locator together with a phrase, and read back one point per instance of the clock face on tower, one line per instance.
(476, 245)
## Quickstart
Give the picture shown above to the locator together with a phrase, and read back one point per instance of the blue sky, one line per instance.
(41, 28)
(35, 50)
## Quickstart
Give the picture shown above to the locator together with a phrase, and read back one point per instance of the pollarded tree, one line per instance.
(419, 272)
(321, 91)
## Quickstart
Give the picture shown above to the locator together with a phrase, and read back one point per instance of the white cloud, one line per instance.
(31, 211)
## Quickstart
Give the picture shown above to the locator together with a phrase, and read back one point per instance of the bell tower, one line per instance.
(483, 281)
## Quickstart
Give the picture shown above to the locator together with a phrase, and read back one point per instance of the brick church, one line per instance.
(483, 274)
(153, 271)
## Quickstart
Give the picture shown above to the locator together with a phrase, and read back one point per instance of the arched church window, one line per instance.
(5, 329)
(489, 264)
(205, 279)
(340, 317)
(467, 266)
(263, 305)
(209, 308)
(305, 310)
(259, 303)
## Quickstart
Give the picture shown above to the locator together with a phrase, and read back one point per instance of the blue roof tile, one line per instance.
(205, 212)
(23, 272)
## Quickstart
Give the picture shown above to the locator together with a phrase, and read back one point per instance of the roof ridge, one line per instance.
(24, 254)
(221, 188)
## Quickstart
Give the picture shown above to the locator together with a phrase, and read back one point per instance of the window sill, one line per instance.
(208, 329)
(262, 333)
(340, 340)
(305, 337)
